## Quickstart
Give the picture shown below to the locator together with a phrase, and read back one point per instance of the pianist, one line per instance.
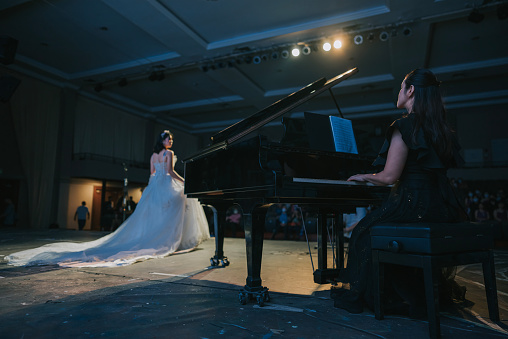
(418, 149)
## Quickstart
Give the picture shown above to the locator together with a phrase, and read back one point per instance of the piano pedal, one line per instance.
(260, 296)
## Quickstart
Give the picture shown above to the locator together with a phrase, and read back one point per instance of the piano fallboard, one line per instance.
(256, 165)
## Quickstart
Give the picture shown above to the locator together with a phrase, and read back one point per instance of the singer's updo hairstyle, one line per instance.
(159, 146)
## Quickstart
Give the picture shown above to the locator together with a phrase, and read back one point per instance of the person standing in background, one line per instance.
(81, 214)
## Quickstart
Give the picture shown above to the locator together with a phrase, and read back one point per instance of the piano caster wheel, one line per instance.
(243, 298)
(260, 299)
(214, 261)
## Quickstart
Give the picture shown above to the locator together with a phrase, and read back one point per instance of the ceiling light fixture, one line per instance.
(284, 54)
(306, 50)
(337, 44)
(295, 52)
(383, 36)
(327, 46)
(358, 39)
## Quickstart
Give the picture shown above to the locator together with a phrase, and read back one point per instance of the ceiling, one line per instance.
(207, 52)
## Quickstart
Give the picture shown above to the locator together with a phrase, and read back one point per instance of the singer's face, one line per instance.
(168, 142)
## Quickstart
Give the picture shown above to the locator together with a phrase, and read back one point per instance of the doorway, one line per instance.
(116, 193)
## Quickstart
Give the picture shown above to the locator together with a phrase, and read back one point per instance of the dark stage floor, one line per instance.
(180, 296)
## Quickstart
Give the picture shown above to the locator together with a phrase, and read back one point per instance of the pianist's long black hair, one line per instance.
(430, 113)
(159, 146)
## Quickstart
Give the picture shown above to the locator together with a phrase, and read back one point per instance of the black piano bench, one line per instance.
(432, 246)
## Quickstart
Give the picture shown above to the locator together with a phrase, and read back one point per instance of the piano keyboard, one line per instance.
(333, 182)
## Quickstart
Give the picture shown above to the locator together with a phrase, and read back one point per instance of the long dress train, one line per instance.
(165, 221)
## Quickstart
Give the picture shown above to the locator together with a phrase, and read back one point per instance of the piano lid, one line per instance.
(244, 127)
(277, 109)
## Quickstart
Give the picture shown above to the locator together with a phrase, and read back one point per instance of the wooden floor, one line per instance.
(180, 296)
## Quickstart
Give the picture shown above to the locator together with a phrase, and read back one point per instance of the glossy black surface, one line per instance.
(254, 173)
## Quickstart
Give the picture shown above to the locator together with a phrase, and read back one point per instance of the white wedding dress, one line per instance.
(165, 221)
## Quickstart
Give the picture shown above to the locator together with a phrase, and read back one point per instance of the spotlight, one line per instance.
(122, 82)
(264, 57)
(407, 31)
(358, 39)
(337, 44)
(370, 37)
(475, 16)
(256, 60)
(327, 46)
(295, 52)
(306, 50)
(98, 87)
(284, 54)
(275, 55)
(383, 36)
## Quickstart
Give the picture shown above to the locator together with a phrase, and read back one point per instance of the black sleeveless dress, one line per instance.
(422, 194)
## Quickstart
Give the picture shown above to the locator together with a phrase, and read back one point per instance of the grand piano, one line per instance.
(243, 168)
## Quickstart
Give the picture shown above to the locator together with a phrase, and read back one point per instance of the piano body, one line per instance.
(255, 173)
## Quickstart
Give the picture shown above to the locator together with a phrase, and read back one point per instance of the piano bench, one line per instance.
(432, 246)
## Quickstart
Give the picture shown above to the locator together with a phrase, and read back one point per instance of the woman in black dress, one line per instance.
(418, 150)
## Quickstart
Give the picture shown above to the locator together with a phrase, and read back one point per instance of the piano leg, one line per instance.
(254, 226)
(219, 223)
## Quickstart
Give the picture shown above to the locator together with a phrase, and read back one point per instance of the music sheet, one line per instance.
(343, 136)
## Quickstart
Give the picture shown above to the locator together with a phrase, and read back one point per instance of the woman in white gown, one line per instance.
(165, 221)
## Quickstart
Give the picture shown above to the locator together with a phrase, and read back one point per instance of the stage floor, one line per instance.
(181, 296)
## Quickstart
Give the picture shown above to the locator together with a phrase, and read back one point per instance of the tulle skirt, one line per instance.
(165, 221)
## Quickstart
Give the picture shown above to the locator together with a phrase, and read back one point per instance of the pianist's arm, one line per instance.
(395, 161)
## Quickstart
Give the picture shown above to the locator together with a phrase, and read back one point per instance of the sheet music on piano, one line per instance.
(343, 136)
(330, 133)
